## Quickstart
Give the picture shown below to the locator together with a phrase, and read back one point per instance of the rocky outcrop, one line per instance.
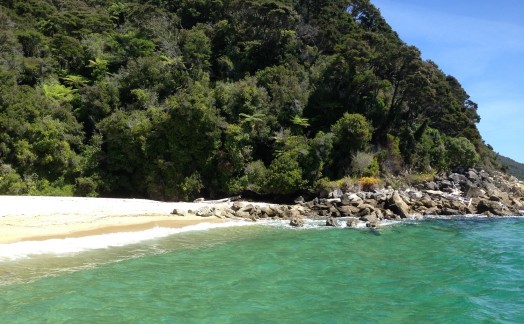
(458, 193)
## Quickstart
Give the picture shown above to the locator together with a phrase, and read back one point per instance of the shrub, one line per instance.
(369, 183)
(284, 176)
(191, 186)
(461, 153)
(360, 162)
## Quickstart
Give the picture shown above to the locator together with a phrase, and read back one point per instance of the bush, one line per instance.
(284, 176)
(461, 153)
(191, 186)
(369, 183)
(86, 187)
(351, 133)
(360, 162)
(10, 182)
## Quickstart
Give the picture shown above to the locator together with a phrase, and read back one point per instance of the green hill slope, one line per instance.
(513, 167)
(172, 99)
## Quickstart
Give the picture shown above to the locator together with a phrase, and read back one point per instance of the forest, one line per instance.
(172, 100)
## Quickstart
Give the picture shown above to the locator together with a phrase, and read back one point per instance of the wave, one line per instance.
(26, 249)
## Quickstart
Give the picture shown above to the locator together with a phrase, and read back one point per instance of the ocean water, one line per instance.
(468, 270)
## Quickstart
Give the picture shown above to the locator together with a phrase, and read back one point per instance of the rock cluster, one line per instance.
(478, 191)
(458, 193)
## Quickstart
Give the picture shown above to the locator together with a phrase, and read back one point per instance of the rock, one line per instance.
(370, 218)
(228, 214)
(450, 212)
(299, 200)
(355, 200)
(372, 224)
(344, 200)
(472, 176)
(398, 205)
(278, 210)
(352, 222)
(475, 192)
(445, 184)
(337, 193)
(242, 214)
(458, 205)
(178, 212)
(199, 200)
(293, 213)
(364, 212)
(458, 178)
(431, 186)
(483, 175)
(236, 206)
(348, 210)
(267, 211)
(493, 207)
(379, 213)
(428, 202)
(333, 212)
(517, 204)
(296, 221)
(247, 208)
(331, 221)
(205, 212)
(432, 211)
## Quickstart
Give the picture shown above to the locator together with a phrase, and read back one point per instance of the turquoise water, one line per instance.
(432, 271)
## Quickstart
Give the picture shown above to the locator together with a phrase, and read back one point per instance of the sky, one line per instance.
(481, 43)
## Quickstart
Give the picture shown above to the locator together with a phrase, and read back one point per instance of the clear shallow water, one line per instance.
(439, 271)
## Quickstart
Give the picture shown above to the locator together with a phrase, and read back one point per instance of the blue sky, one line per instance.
(481, 43)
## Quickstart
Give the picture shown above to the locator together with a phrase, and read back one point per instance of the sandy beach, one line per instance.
(25, 218)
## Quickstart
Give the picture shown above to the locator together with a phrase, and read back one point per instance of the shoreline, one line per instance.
(31, 218)
(473, 192)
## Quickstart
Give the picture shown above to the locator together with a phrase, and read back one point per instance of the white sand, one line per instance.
(36, 218)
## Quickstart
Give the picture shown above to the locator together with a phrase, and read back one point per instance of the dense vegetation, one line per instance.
(512, 167)
(172, 99)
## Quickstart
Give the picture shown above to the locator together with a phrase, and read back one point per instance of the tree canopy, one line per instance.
(174, 99)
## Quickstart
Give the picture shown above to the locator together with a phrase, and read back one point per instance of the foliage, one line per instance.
(368, 183)
(352, 133)
(514, 168)
(175, 99)
(460, 152)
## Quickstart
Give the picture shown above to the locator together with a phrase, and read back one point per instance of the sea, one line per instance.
(437, 270)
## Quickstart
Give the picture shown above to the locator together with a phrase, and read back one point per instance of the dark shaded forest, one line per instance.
(175, 99)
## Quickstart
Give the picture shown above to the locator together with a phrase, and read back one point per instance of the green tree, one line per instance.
(352, 133)
(461, 153)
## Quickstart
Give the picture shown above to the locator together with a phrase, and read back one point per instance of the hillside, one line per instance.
(513, 167)
(174, 99)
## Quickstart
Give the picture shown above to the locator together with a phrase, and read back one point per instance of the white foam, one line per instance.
(317, 223)
(25, 249)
